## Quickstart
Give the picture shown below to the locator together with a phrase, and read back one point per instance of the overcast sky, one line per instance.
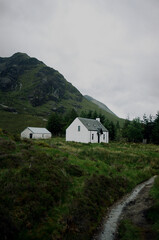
(108, 49)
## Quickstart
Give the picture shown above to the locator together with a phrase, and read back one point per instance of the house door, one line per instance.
(31, 135)
(98, 137)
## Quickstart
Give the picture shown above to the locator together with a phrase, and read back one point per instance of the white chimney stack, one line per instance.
(98, 119)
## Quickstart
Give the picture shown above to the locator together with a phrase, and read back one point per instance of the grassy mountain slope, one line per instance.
(99, 104)
(29, 86)
(30, 89)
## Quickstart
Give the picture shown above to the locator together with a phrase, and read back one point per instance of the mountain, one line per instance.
(28, 85)
(30, 91)
(99, 104)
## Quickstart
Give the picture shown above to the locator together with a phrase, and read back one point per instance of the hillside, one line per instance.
(28, 85)
(99, 104)
(30, 89)
(52, 189)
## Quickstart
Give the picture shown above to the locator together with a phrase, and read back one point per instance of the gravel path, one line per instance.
(132, 206)
(136, 211)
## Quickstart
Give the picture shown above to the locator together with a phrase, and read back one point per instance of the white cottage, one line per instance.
(87, 131)
(36, 133)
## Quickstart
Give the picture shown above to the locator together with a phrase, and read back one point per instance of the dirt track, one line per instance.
(137, 209)
(133, 206)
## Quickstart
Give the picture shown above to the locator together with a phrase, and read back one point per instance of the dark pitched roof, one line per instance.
(92, 124)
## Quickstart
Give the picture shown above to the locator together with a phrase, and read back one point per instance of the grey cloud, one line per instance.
(107, 49)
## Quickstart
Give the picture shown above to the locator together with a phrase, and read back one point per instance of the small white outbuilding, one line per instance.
(87, 131)
(36, 133)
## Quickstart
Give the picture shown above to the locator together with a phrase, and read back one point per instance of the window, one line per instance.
(103, 136)
(92, 136)
(79, 128)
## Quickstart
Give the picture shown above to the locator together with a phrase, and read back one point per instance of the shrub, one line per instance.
(6, 145)
(86, 210)
(32, 192)
(74, 170)
(16, 137)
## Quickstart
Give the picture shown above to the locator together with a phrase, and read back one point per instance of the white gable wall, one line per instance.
(26, 133)
(72, 133)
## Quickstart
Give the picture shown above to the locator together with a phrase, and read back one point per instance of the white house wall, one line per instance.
(26, 134)
(47, 135)
(41, 135)
(107, 137)
(85, 136)
(95, 137)
(72, 133)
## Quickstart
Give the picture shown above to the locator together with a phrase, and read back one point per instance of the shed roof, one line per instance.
(92, 124)
(38, 130)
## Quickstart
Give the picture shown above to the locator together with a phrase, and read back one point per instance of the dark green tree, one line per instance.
(90, 114)
(148, 125)
(102, 117)
(83, 114)
(94, 114)
(111, 128)
(55, 124)
(70, 117)
(135, 131)
(118, 132)
(125, 129)
(112, 131)
(155, 131)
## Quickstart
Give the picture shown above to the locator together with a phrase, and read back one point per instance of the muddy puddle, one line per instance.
(109, 228)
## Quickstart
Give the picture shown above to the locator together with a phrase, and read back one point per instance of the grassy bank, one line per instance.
(56, 190)
(153, 214)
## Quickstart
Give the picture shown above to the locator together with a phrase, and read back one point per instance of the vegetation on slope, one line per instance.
(29, 87)
(52, 189)
(16, 123)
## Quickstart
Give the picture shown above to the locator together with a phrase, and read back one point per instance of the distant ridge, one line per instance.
(99, 104)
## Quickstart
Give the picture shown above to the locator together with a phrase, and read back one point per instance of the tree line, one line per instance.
(137, 130)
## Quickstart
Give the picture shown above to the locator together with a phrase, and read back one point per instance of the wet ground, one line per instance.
(136, 211)
(134, 207)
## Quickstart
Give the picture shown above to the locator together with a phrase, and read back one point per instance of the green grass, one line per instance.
(63, 189)
(129, 231)
(153, 214)
(16, 123)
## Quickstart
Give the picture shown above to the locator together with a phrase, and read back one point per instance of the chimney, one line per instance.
(98, 119)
